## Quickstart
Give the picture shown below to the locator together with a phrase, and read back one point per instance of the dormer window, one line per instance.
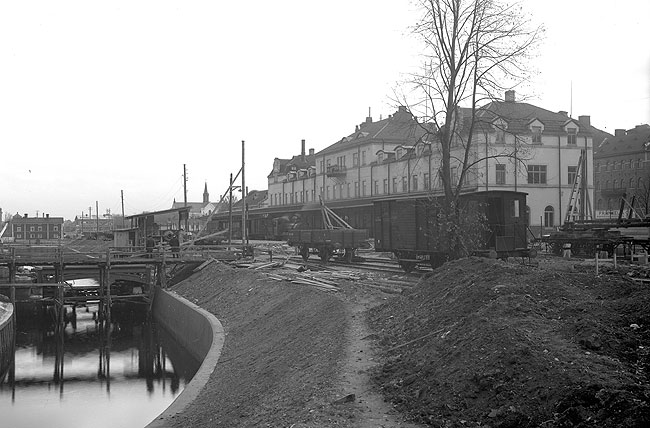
(537, 134)
(398, 153)
(572, 136)
(380, 157)
(419, 149)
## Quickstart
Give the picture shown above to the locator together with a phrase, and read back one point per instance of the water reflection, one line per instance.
(121, 374)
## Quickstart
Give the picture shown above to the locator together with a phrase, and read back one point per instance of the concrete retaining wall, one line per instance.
(200, 333)
(7, 336)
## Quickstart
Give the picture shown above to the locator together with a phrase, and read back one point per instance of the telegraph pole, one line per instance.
(243, 198)
(230, 212)
(97, 212)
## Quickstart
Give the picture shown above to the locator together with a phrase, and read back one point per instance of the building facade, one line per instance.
(36, 230)
(515, 146)
(622, 169)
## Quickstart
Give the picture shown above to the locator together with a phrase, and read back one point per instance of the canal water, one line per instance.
(92, 374)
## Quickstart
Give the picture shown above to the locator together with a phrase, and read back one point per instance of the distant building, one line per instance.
(36, 230)
(622, 168)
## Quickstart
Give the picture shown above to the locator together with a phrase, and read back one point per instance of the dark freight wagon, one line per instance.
(408, 227)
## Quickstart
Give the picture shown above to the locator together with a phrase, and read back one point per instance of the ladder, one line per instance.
(579, 194)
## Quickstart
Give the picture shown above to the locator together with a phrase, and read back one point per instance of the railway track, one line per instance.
(375, 264)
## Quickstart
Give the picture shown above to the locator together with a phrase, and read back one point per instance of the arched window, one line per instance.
(614, 184)
(631, 186)
(548, 216)
(607, 184)
(639, 183)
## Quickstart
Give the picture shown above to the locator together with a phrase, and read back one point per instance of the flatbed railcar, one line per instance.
(408, 227)
(276, 222)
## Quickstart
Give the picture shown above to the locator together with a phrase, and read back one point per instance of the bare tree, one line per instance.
(474, 51)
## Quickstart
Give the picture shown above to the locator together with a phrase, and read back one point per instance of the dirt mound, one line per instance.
(283, 346)
(488, 343)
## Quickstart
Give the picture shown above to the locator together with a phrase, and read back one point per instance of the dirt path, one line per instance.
(374, 411)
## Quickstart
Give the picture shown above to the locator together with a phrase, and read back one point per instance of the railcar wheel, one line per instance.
(304, 252)
(324, 254)
(347, 256)
(436, 260)
(407, 266)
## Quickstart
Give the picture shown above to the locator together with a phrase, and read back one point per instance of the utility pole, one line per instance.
(185, 186)
(82, 223)
(230, 212)
(243, 198)
(97, 211)
(122, 197)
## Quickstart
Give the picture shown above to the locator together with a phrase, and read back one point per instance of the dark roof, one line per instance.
(401, 128)
(254, 198)
(295, 163)
(152, 213)
(519, 116)
(635, 140)
(194, 206)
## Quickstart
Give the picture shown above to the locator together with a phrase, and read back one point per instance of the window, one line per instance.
(500, 136)
(19, 229)
(385, 186)
(327, 195)
(355, 159)
(363, 188)
(537, 134)
(536, 174)
(376, 187)
(631, 183)
(322, 166)
(404, 184)
(501, 174)
(515, 208)
(394, 184)
(363, 157)
(55, 228)
(426, 181)
(40, 228)
(414, 183)
(454, 175)
(31, 229)
(380, 157)
(598, 167)
(573, 173)
(572, 137)
(356, 189)
(548, 216)
(597, 185)
(348, 186)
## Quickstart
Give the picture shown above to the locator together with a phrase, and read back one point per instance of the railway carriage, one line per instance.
(409, 227)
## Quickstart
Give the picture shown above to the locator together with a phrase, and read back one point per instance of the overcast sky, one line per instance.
(98, 97)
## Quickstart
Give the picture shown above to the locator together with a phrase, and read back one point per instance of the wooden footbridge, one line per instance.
(121, 273)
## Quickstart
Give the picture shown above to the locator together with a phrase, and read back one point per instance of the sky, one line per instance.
(103, 98)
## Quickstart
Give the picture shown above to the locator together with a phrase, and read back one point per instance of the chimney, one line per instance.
(584, 120)
(619, 133)
(25, 216)
(47, 216)
(510, 96)
(369, 118)
(563, 113)
(302, 151)
(311, 152)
